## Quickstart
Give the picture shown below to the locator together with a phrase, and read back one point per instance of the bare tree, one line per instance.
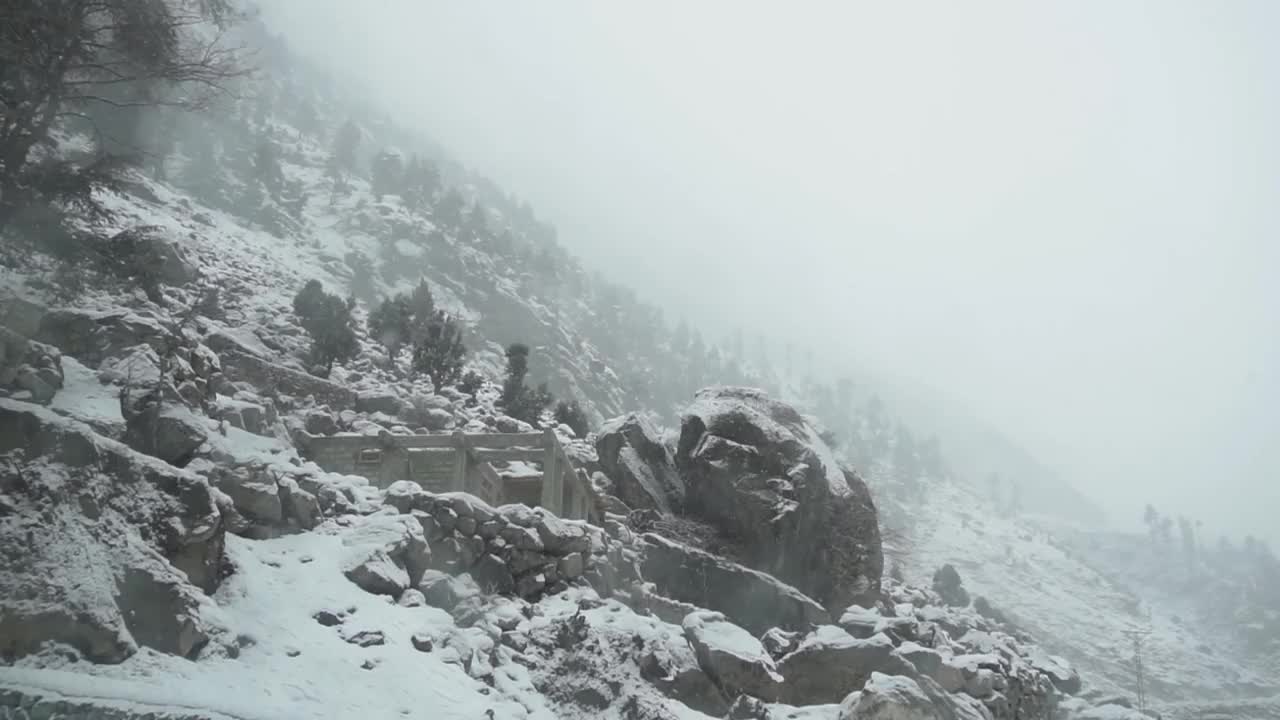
(59, 59)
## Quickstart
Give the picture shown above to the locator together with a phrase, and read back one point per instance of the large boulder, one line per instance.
(750, 598)
(101, 548)
(731, 656)
(758, 470)
(830, 663)
(639, 465)
(164, 430)
(902, 697)
(383, 401)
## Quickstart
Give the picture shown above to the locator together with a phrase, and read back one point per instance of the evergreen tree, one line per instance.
(518, 401)
(390, 324)
(440, 353)
(571, 413)
(327, 319)
(422, 309)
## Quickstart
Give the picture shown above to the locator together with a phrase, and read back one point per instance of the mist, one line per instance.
(1060, 217)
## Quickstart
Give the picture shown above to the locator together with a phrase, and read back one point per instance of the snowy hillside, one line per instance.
(1082, 605)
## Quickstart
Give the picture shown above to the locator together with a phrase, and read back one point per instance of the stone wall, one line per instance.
(18, 704)
(268, 376)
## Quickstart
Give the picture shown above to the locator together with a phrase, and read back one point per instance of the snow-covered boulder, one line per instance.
(829, 663)
(731, 656)
(639, 465)
(756, 468)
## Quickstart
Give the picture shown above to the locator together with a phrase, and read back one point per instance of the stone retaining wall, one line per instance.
(18, 704)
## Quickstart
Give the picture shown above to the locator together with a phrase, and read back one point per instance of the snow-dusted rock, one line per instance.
(379, 574)
(384, 401)
(639, 465)
(757, 469)
(829, 663)
(750, 598)
(730, 655)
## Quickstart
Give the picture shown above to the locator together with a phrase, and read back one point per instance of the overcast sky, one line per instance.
(1065, 215)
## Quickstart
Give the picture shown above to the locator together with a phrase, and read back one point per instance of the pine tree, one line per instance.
(327, 319)
(387, 174)
(440, 353)
(390, 323)
(448, 210)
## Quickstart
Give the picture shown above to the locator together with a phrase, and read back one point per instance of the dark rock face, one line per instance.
(28, 367)
(101, 547)
(749, 598)
(754, 467)
(640, 466)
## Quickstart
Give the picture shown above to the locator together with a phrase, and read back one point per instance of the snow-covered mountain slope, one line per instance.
(1077, 605)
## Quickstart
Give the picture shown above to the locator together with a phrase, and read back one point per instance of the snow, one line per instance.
(85, 399)
(291, 666)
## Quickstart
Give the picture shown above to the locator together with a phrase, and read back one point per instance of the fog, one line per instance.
(1062, 216)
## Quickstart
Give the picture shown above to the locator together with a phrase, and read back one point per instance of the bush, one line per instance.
(471, 382)
(327, 319)
(518, 401)
(389, 324)
(570, 413)
(440, 352)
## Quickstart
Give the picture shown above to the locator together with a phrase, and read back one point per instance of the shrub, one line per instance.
(520, 402)
(389, 324)
(327, 319)
(440, 352)
(471, 382)
(570, 413)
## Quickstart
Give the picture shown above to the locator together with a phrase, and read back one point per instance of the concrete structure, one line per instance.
(463, 462)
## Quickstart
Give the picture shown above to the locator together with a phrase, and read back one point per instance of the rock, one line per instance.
(830, 663)
(731, 656)
(406, 496)
(151, 254)
(367, 638)
(446, 591)
(1059, 671)
(926, 661)
(90, 336)
(559, 537)
(887, 697)
(422, 642)
(412, 598)
(380, 575)
(530, 585)
(639, 465)
(164, 430)
(750, 598)
(571, 566)
(327, 618)
(755, 468)
(947, 583)
(138, 536)
(493, 575)
(383, 401)
(162, 611)
(778, 642)
(300, 507)
(860, 622)
(254, 496)
(320, 422)
(436, 419)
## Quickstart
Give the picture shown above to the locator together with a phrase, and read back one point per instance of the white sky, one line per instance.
(1063, 214)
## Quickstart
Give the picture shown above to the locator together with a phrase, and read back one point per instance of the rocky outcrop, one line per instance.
(91, 337)
(758, 470)
(949, 586)
(639, 465)
(750, 598)
(101, 548)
